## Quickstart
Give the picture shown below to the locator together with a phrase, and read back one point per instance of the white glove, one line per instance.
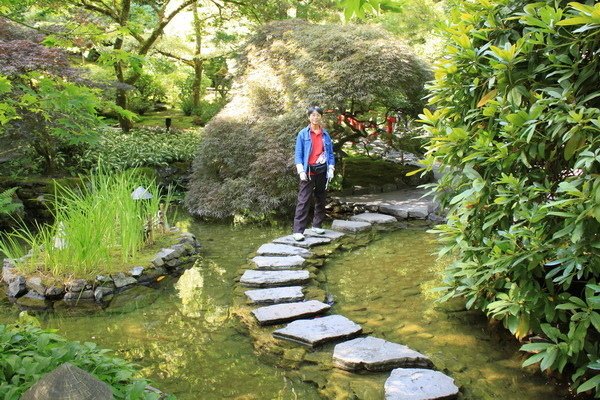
(301, 172)
(330, 172)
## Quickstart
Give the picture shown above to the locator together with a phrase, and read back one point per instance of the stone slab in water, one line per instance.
(404, 211)
(374, 354)
(313, 332)
(255, 278)
(419, 384)
(309, 241)
(284, 294)
(275, 249)
(398, 211)
(278, 262)
(279, 313)
(374, 218)
(327, 234)
(69, 382)
(350, 226)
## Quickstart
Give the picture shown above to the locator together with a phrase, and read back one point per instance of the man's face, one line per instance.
(315, 118)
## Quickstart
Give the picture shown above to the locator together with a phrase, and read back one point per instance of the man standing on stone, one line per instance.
(315, 165)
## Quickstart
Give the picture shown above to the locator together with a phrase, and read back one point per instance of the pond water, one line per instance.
(186, 339)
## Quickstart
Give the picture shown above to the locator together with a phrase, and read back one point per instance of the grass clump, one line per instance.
(97, 228)
(29, 352)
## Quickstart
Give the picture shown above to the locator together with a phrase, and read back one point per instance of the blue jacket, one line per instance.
(304, 145)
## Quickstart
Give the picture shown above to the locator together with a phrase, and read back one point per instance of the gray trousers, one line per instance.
(315, 185)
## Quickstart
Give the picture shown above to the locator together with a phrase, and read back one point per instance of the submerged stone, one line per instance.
(274, 278)
(278, 313)
(313, 332)
(275, 263)
(374, 354)
(419, 384)
(374, 218)
(275, 249)
(275, 295)
(350, 226)
(309, 241)
(33, 301)
(69, 382)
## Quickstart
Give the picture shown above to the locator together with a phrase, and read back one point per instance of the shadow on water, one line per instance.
(187, 341)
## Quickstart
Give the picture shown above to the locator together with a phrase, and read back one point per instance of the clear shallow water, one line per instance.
(385, 287)
(187, 340)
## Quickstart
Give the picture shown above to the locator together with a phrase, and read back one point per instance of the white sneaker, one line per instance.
(318, 231)
(298, 237)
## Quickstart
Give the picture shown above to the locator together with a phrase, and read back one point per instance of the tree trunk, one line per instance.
(121, 95)
(196, 85)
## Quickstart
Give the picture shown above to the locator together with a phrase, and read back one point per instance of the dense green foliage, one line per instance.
(516, 126)
(147, 147)
(244, 164)
(97, 228)
(28, 353)
(7, 205)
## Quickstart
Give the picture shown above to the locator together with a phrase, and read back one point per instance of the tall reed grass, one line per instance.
(97, 227)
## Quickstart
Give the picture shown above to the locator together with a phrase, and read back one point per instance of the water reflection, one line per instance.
(183, 337)
(385, 287)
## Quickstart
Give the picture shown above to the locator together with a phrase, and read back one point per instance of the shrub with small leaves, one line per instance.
(516, 125)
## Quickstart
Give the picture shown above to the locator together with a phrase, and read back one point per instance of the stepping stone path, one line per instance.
(278, 313)
(374, 218)
(308, 241)
(314, 332)
(286, 303)
(274, 278)
(419, 384)
(278, 263)
(276, 295)
(329, 234)
(374, 354)
(275, 249)
(350, 226)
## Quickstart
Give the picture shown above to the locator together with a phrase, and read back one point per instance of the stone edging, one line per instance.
(31, 294)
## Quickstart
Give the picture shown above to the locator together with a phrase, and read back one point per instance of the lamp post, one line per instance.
(141, 193)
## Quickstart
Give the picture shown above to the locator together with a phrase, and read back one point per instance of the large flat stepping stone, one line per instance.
(329, 234)
(313, 332)
(419, 384)
(374, 354)
(404, 211)
(280, 313)
(255, 278)
(374, 218)
(309, 241)
(285, 294)
(276, 249)
(350, 226)
(278, 262)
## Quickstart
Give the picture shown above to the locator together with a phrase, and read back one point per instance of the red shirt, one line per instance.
(316, 137)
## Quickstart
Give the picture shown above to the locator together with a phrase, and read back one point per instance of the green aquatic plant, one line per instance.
(515, 126)
(29, 352)
(97, 227)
